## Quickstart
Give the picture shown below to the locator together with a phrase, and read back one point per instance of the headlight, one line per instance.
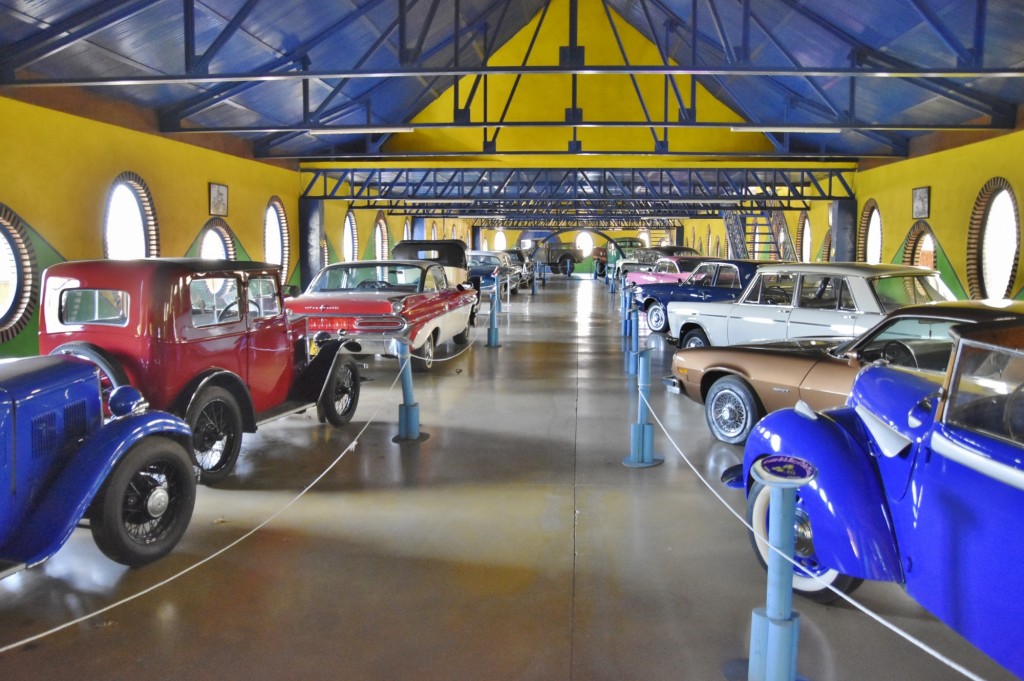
(397, 306)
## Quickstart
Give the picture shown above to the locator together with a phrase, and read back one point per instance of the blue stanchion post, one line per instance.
(611, 283)
(492, 324)
(641, 433)
(497, 293)
(409, 410)
(624, 311)
(775, 628)
(634, 322)
(533, 284)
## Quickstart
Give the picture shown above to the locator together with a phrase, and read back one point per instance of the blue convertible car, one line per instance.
(921, 482)
(711, 280)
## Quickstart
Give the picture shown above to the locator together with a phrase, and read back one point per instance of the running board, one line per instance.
(9, 567)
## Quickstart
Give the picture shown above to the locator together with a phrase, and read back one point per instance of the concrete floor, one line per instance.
(511, 544)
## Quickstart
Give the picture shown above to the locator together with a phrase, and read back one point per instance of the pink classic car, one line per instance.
(379, 302)
(669, 270)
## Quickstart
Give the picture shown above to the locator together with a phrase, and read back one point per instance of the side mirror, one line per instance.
(290, 290)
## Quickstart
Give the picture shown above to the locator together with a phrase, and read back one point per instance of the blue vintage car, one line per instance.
(62, 461)
(921, 482)
(490, 267)
(712, 280)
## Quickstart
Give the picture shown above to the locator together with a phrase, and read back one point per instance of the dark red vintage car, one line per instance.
(207, 340)
(379, 302)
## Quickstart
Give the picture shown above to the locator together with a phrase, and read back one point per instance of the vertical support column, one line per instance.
(311, 233)
(641, 433)
(844, 229)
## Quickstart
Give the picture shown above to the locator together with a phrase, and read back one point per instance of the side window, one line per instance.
(440, 282)
(663, 267)
(728, 277)
(263, 296)
(845, 297)
(773, 289)
(818, 292)
(430, 280)
(94, 306)
(214, 301)
(702, 276)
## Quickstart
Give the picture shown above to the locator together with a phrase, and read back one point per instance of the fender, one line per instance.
(225, 379)
(67, 497)
(853, 531)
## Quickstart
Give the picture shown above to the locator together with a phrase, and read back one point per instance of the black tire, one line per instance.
(111, 373)
(462, 337)
(216, 423)
(566, 265)
(732, 409)
(145, 504)
(423, 357)
(341, 393)
(657, 319)
(694, 339)
(808, 587)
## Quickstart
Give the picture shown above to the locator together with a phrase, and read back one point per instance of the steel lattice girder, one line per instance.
(495, 187)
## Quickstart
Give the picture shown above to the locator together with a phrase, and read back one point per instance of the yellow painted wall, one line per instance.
(602, 97)
(956, 177)
(58, 169)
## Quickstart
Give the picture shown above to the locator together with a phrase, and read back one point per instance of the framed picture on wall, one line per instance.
(920, 201)
(218, 199)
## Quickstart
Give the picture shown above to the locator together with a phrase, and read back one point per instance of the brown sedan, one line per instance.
(739, 384)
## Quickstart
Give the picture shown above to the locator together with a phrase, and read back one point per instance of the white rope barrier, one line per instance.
(864, 609)
(219, 552)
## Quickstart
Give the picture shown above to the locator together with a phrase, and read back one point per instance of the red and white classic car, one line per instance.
(379, 302)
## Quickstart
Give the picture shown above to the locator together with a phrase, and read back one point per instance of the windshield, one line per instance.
(908, 289)
(913, 342)
(357, 276)
(484, 261)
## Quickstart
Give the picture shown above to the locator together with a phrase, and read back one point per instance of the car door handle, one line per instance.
(849, 316)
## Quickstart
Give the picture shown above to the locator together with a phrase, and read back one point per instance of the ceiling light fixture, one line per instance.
(786, 128)
(361, 130)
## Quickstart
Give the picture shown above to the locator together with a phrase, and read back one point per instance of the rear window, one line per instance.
(214, 301)
(94, 306)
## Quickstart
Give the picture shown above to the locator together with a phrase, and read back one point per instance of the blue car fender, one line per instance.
(69, 494)
(850, 523)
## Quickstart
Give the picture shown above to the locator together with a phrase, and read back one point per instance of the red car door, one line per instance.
(269, 362)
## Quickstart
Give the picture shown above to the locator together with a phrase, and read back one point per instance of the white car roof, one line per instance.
(846, 269)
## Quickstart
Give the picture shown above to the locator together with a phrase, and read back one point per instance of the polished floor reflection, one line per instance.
(510, 544)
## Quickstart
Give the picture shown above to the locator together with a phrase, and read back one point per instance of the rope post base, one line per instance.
(409, 410)
(641, 433)
(775, 628)
(492, 326)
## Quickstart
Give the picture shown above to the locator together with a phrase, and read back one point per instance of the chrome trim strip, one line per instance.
(1000, 472)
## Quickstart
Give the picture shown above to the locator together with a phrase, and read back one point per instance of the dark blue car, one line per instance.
(711, 280)
(129, 475)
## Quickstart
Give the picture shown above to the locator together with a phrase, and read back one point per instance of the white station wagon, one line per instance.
(796, 300)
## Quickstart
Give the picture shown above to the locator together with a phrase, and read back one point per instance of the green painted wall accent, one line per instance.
(240, 252)
(26, 343)
(942, 264)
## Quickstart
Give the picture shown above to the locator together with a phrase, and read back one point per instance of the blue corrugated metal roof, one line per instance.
(761, 58)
